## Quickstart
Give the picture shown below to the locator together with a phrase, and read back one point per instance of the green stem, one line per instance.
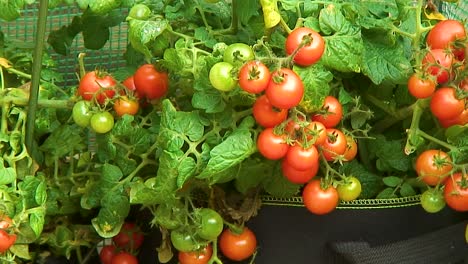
(235, 16)
(19, 73)
(389, 121)
(43, 103)
(36, 72)
(81, 64)
(436, 140)
(413, 139)
(377, 102)
(285, 26)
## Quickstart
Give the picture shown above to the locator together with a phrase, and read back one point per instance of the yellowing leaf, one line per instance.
(434, 15)
(271, 15)
(5, 63)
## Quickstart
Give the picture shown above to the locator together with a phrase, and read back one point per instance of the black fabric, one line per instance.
(292, 235)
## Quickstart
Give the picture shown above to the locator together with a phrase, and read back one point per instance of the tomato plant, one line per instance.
(445, 104)
(266, 114)
(432, 200)
(124, 105)
(419, 87)
(349, 189)
(82, 113)
(124, 258)
(335, 144)
(272, 146)
(129, 237)
(211, 224)
(297, 176)
(6, 240)
(107, 253)
(238, 247)
(238, 53)
(183, 241)
(102, 122)
(301, 157)
(221, 76)
(333, 112)
(438, 63)
(444, 33)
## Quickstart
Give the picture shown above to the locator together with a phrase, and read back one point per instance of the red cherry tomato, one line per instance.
(238, 247)
(320, 200)
(310, 44)
(107, 253)
(97, 85)
(150, 82)
(433, 166)
(298, 176)
(125, 105)
(445, 104)
(270, 145)
(333, 115)
(124, 258)
(254, 77)
(129, 237)
(302, 158)
(266, 114)
(438, 63)
(335, 144)
(444, 33)
(456, 193)
(419, 87)
(285, 89)
(351, 149)
(201, 256)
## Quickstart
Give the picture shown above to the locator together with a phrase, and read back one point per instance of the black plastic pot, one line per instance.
(404, 234)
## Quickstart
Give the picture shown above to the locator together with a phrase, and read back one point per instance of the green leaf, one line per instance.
(316, 81)
(385, 63)
(186, 169)
(107, 180)
(407, 190)
(234, 149)
(391, 155)
(62, 141)
(206, 97)
(251, 174)
(387, 193)
(102, 7)
(142, 194)
(278, 186)
(343, 43)
(142, 32)
(7, 175)
(41, 193)
(115, 208)
(61, 39)
(11, 9)
(392, 181)
(21, 251)
(203, 35)
(37, 220)
(247, 10)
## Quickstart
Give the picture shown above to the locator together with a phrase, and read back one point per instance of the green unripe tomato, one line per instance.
(221, 76)
(432, 201)
(102, 122)
(183, 242)
(238, 53)
(81, 113)
(211, 224)
(350, 189)
(139, 11)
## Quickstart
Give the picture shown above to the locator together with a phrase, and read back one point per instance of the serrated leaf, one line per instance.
(392, 181)
(203, 35)
(386, 194)
(11, 9)
(142, 32)
(316, 81)
(247, 10)
(115, 208)
(7, 175)
(21, 251)
(278, 186)
(102, 7)
(407, 190)
(37, 220)
(251, 173)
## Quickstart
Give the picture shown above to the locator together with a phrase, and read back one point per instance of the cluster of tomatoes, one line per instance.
(196, 247)
(7, 237)
(297, 139)
(443, 78)
(99, 89)
(434, 168)
(123, 246)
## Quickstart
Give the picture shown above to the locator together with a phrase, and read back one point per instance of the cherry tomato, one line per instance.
(266, 114)
(183, 241)
(349, 189)
(107, 253)
(444, 33)
(5, 222)
(124, 105)
(270, 145)
(461, 120)
(432, 200)
(298, 176)
(335, 144)
(433, 166)
(129, 237)
(102, 122)
(201, 256)
(238, 247)
(221, 76)
(140, 11)
(254, 77)
(445, 104)
(124, 258)
(211, 224)
(319, 200)
(333, 115)
(302, 158)
(97, 85)
(438, 63)
(456, 192)
(129, 83)
(419, 87)
(6, 240)
(238, 53)
(310, 44)
(351, 149)
(150, 82)
(81, 113)
(316, 132)
(285, 89)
